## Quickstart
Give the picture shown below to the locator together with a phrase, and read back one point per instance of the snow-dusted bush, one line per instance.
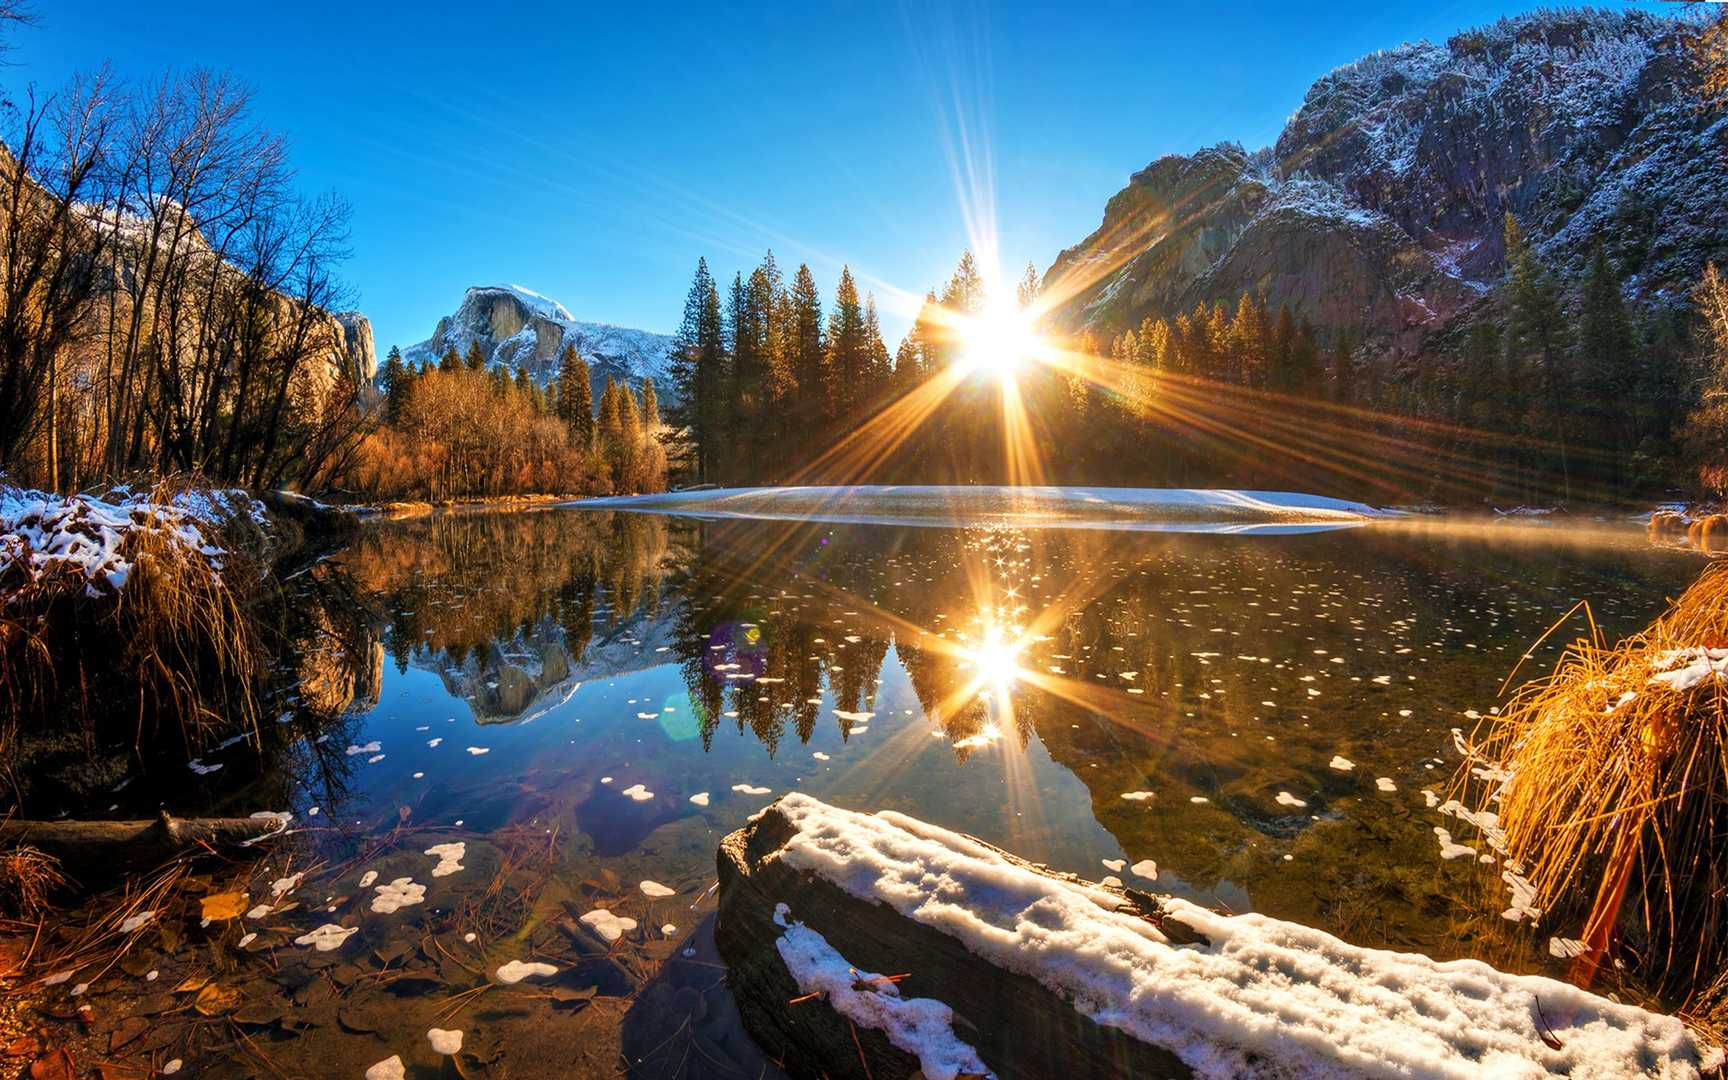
(126, 616)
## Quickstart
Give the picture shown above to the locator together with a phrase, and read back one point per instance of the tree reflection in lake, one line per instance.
(586, 702)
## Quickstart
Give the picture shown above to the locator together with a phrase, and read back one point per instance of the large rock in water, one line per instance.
(517, 327)
(1012, 969)
(1380, 206)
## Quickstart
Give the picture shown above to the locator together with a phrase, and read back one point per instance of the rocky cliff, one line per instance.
(1379, 208)
(357, 346)
(518, 327)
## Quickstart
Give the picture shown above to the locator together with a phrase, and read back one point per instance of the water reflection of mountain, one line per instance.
(513, 610)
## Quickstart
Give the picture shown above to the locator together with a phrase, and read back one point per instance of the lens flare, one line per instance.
(995, 660)
(998, 342)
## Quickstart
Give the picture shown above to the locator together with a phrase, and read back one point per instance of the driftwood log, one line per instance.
(104, 849)
(1015, 1023)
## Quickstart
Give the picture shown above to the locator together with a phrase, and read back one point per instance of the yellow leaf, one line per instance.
(220, 907)
(216, 999)
(191, 983)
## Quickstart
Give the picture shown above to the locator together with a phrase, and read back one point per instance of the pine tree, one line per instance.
(880, 366)
(394, 382)
(476, 357)
(450, 361)
(805, 352)
(653, 456)
(1248, 341)
(1280, 351)
(697, 361)
(848, 362)
(576, 398)
(608, 430)
(627, 447)
(1026, 293)
(965, 292)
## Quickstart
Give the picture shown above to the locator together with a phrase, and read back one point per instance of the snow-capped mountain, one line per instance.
(1380, 207)
(517, 327)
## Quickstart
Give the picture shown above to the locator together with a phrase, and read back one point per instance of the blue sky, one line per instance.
(592, 153)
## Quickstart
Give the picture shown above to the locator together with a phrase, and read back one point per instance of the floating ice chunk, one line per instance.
(478, 750)
(444, 1042)
(202, 769)
(391, 1068)
(1450, 850)
(700, 798)
(1137, 796)
(637, 792)
(173, 1067)
(136, 921)
(245, 940)
(854, 717)
(1114, 864)
(326, 937)
(1146, 868)
(368, 878)
(609, 926)
(1287, 799)
(400, 893)
(655, 890)
(449, 857)
(1384, 783)
(1341, 763)
(259, 912)
(1198, 799)
(1430, 798)
(819, 755)
(516, 970)
(746, 789)
(647, 716)
(434, 743)
(370, 748)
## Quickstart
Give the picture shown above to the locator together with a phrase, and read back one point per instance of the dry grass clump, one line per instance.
(1617, 803)
(168, 659)
(29, 880)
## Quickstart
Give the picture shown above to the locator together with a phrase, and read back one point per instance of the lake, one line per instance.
(588, 701)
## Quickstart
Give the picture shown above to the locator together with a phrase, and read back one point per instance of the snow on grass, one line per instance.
(923, 1027)
(43, 534)
(1259, 996)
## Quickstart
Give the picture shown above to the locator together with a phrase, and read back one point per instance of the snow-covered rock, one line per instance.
(517, 327)
(1085, 974)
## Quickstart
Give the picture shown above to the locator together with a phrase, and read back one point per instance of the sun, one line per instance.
(999, 341)
(995, 660)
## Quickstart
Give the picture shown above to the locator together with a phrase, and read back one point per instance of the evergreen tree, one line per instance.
(1280, 352)
(1026, 293)
(848, 362)
(450, 361)
(806, 355)
(476, 357)
(698, 366)
(394, 381)
(1248, 341)
(576, 398)
(1607, 348)
(609, 429)
(880, 367)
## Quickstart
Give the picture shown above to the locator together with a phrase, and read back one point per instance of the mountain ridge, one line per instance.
(518, 327)
(1378, 209)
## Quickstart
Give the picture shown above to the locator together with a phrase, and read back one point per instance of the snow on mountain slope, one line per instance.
(518, 327)
(1379, 207)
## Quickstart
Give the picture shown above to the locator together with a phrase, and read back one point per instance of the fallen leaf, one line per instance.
(56, 1066)
(127, 1030)
(216, 999)
(110, 1071)
(22, 1046)
(220, 907)
(191, 983)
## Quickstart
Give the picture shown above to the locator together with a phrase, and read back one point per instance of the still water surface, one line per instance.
(592, 700)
